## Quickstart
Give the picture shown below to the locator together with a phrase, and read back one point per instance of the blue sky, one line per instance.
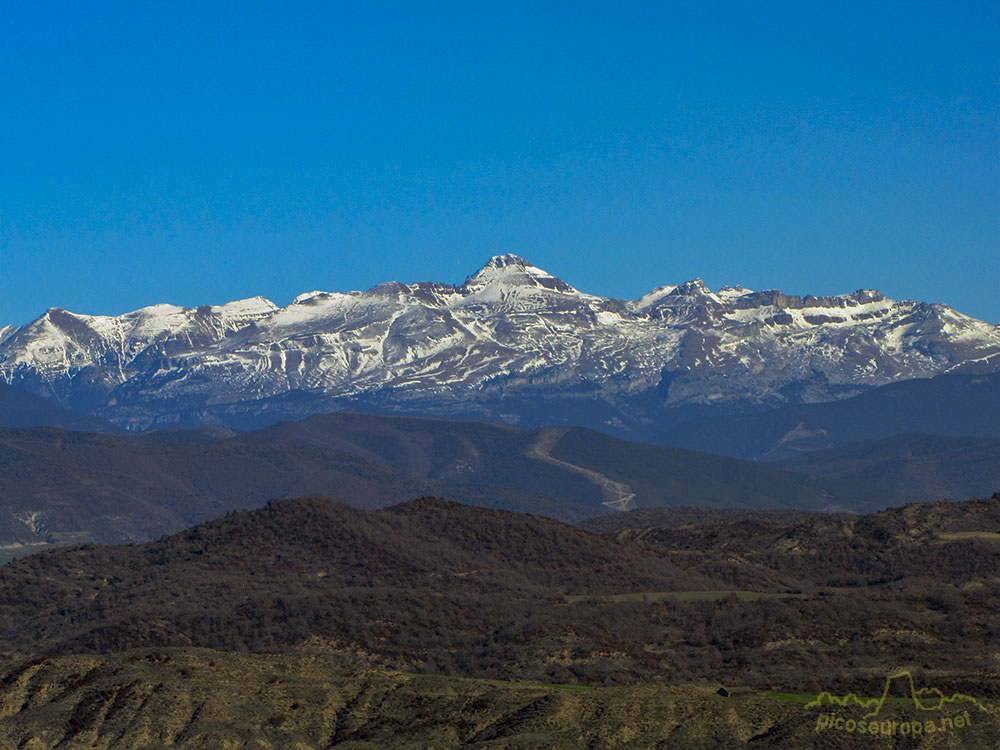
(199, 152)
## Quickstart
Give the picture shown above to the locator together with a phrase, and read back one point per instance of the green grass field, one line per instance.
(954, 536)
(683, 596)
(505, 683)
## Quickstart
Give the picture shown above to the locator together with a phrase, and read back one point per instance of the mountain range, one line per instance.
(512, 343)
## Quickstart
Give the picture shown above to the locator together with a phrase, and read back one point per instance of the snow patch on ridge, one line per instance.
(509, 326)
(513, 271)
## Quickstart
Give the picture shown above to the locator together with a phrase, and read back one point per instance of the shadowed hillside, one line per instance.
(493, 454)
(953, 405)
(922, 467)
(66, 487)
(19, 408)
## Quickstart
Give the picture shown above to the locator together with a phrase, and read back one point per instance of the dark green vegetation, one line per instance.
(437, 587)
(916, 585)
(427, 585)
(58, 486)
(952, 405)
(647, 518)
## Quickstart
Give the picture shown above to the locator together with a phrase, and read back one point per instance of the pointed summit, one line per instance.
(693, 288)
(508, 259)
(513, 270)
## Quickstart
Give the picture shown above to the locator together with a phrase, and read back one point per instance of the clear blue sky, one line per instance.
(197, 152)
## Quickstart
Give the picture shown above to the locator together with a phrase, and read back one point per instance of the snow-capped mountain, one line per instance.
(513, 343)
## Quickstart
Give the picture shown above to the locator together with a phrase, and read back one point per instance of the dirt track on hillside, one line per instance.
(617, 495)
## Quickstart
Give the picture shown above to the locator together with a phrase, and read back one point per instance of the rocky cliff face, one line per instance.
(512, 343)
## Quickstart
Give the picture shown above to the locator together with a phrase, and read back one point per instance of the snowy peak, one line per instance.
(307, 297)
(730, 293)
(651, 298)
(510, 328)
(513, 271)
(61, 342)
(498, 263)
(252, 306)
(693, 288)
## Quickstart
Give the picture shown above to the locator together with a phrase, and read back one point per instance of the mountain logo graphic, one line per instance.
(924, 699)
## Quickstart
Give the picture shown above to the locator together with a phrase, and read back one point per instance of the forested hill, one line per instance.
(436, 586)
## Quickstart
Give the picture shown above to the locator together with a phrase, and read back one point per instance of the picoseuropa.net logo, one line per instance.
(936, 712)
